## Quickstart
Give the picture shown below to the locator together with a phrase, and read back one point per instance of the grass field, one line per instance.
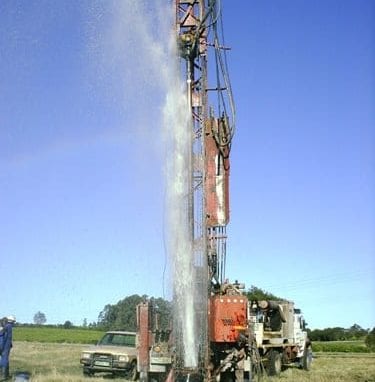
(340, 346)
(60, 335)
(57, 362)
(89, 336)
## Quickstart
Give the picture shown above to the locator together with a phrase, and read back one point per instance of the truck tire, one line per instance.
(274, 363)
(143, 376)
(228, 376)
(87, 372)
(307, 358)
(133, 373)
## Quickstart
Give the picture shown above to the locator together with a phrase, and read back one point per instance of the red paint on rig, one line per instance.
(228, 318)
(216, 173)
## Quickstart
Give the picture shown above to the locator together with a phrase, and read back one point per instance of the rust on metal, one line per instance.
(216, 178)
(143, 337)
(228, 318)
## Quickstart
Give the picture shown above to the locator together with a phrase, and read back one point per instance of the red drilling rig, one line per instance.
(223, 320)
(226, 323)
(221, 317)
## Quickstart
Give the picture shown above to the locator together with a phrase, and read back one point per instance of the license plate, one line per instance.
(101, 363)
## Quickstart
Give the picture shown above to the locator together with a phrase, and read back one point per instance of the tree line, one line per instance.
(122, 316)
(355, 332)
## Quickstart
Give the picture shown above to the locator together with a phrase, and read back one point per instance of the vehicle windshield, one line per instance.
(118, 339)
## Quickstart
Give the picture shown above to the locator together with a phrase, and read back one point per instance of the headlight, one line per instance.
(157, 349)
(86, 355)
(123, 358)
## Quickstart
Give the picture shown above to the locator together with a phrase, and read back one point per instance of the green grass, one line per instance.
(340, 346)
(90, 336)
(52, 355)
(49, 362)
(56, 335)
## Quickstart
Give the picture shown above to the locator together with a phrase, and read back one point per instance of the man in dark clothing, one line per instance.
(3, 322)
(6, 346)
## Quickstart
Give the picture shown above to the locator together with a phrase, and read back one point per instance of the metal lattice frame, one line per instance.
(211, 140)
(192, 38)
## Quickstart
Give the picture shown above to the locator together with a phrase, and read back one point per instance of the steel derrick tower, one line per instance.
(203, 67)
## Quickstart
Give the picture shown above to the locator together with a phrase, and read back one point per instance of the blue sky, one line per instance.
(81, 156)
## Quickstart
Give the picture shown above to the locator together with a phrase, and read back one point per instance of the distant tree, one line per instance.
(255, 293)
(328, 334)
(39, 318)
(123, 314)
(164, 309)
(370, 340)
(84, 323)
(356, 332)
(68, 324)
(336, 334)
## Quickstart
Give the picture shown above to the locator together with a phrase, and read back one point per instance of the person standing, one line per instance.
(6, 347)
(2, 328)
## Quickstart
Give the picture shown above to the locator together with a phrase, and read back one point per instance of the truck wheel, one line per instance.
(87, 373)
(133, 373)
(307, 358)
(143, 376)
(274, 363)
(227, 376)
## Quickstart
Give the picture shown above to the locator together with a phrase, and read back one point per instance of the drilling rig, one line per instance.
(234, 333)
(220, 308)
(223, 320)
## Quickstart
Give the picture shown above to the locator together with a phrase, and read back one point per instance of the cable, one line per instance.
(338, 277)
(222, 72)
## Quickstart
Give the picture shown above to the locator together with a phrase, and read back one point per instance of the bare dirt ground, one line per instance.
(60, 362)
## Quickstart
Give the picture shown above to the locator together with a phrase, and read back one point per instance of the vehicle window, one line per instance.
(130, 341)
(118, 340)
(125, 340)
(106, 340)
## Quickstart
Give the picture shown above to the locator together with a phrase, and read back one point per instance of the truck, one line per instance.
(247, 339)
(279, 331)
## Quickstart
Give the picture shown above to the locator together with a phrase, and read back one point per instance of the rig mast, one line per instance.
(209, 99)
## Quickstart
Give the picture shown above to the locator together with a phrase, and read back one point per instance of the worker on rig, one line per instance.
(6, 334)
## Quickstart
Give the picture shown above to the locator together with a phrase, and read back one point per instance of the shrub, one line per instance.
(370, 340)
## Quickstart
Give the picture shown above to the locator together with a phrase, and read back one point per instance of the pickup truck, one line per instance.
(115, 353)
